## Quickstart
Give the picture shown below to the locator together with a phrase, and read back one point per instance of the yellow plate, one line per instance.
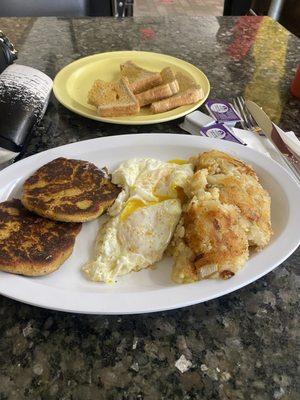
(72, 83)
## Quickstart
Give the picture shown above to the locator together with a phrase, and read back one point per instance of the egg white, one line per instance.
(142, 219)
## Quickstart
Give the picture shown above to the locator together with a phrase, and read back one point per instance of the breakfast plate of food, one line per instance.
(131, 87)
(142, 223)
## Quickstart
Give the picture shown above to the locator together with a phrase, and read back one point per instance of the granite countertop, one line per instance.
(240, 346)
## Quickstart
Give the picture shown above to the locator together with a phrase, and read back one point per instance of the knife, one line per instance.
(290, 159)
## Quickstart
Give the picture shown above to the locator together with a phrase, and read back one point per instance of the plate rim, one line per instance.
(59, 78)
(7, 285)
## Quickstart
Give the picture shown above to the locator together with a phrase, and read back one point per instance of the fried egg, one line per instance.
(143, 218)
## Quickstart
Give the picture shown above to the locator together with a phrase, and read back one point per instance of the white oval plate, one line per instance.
(148, 290)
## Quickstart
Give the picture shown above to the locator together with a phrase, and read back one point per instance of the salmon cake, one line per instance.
(31, 245)
(69, 190)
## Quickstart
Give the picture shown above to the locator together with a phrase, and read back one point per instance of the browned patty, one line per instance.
(69, 190)
(32, 245)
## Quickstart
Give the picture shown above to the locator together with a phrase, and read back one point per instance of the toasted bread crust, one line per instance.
(189, 96)
(69, 190)
(101, 93)
(189, 93)
(118, 110)
(139, 78)
(157, 93)
(113, 99)
(168, 88)
(145, 84)
(31, 245)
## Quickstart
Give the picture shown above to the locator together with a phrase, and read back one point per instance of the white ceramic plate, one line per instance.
(148, 290)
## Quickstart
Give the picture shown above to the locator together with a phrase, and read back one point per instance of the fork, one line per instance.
(248, 121)
(250, 124)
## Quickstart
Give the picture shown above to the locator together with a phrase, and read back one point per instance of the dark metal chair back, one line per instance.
(65, 8)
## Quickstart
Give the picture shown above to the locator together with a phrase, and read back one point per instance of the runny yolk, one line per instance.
(133, 205)
(177, 161)
(162, 197)
(178, 193)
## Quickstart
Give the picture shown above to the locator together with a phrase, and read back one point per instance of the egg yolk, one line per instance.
(162, 197)
(177, 192)
(133, 205)
(177, 161)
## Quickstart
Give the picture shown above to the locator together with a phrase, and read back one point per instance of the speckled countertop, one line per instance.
(241, 346)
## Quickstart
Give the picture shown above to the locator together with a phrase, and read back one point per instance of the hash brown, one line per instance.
(31, 245)
(227, 212)
(210, 240)
(69, 190)
(239, 185)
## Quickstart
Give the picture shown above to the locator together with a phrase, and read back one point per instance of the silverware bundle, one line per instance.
(257, 121)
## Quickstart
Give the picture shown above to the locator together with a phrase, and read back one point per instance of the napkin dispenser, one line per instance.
(24, 96)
